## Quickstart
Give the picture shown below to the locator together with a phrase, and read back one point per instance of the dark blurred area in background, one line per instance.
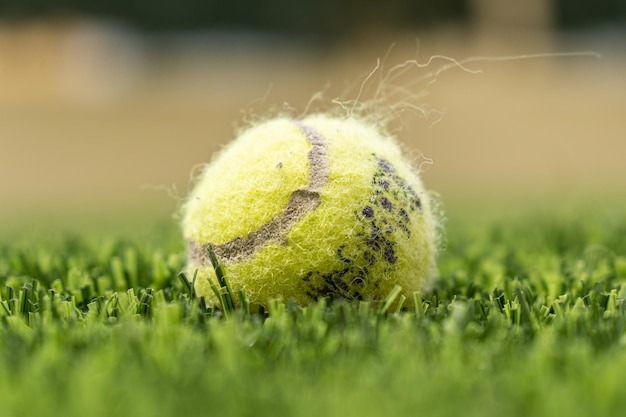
(324, 20)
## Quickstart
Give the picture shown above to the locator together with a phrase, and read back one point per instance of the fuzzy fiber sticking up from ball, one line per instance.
(301, 209)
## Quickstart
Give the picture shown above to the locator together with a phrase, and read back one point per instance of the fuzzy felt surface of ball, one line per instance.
(302, 209)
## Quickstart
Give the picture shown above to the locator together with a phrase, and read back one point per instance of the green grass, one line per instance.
(527, 319)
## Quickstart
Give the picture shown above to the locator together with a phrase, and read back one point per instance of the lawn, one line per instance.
(527, 318)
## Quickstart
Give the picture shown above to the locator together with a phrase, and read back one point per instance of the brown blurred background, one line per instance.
(109, 105)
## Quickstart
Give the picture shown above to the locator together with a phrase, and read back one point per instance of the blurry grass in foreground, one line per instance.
(528, 318)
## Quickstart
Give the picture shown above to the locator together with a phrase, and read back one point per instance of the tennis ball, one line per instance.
(301, 209)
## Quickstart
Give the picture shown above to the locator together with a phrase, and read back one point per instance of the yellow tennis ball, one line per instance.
(301, 209)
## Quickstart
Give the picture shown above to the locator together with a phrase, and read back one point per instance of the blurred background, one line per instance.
(107, 106)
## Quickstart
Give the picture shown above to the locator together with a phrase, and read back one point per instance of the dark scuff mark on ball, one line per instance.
(387, 205)
(385, 166)
(383, 221)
